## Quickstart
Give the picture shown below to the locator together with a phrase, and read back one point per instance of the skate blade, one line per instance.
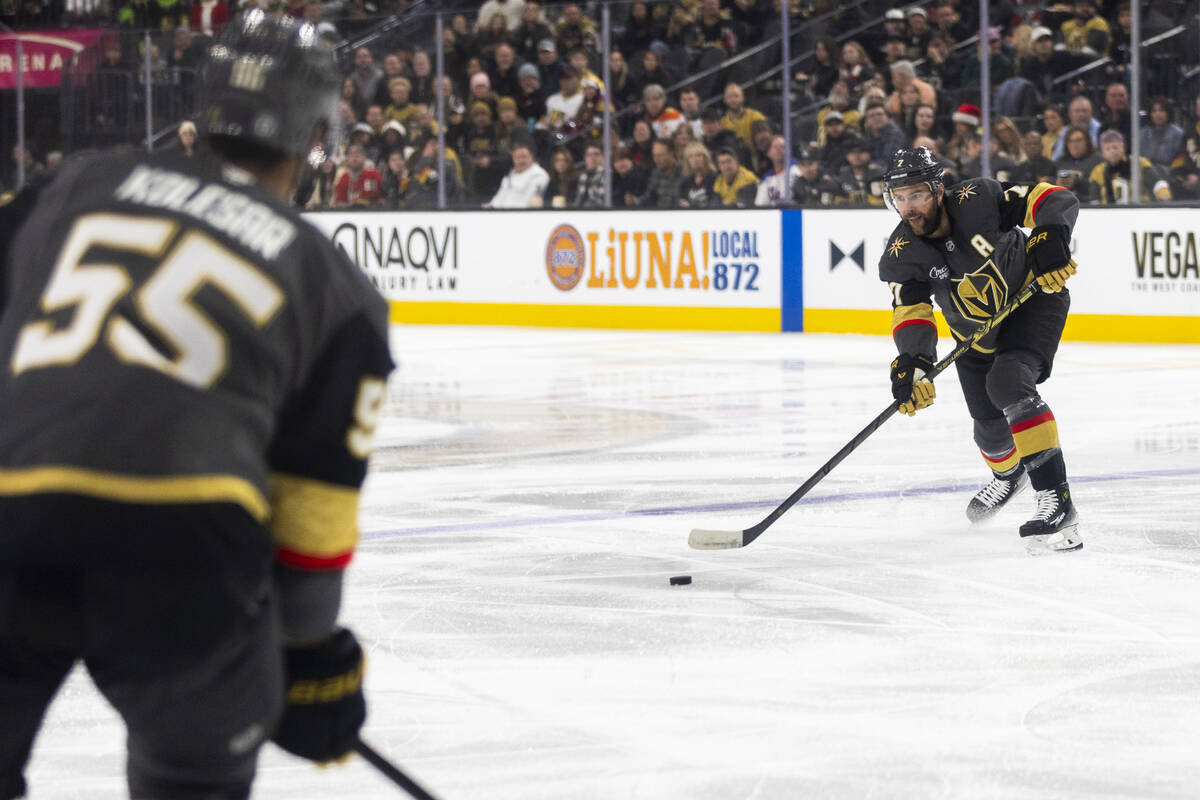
(1066, 540)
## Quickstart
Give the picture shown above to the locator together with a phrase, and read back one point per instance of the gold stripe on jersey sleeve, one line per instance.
(1032, 200)
(313, 517)
(915, 312)
(138, 489)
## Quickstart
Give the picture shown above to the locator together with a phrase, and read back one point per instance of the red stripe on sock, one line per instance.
(1033, 423)
(1001, 459)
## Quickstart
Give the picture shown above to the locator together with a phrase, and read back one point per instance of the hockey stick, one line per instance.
(702, 539)
(391, 771)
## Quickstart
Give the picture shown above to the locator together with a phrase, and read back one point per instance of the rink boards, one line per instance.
(752, 270)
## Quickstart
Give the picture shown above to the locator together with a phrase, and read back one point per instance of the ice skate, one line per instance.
(991, 498)
(1055, 525)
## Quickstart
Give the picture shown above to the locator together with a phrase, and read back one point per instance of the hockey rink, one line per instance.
(532, 493)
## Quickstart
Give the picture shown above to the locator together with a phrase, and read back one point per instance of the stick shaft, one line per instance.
(391, 771)
(752, 533)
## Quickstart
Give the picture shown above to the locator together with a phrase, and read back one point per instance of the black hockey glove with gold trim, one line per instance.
(909, 384)
(325, 705)
(1048, 252)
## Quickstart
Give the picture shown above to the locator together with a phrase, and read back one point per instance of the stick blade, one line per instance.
(704, 539)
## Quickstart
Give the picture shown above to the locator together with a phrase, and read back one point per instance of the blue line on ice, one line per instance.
(714, 508)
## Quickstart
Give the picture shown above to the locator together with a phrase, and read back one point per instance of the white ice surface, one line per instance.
(533, 492)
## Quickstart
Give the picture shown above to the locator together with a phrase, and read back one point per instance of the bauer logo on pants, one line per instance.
(565, 260)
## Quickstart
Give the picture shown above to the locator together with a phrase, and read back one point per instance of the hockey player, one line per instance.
(191, 379)
(963, 246)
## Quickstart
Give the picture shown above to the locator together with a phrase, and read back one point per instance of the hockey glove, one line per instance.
(1049, 255)
(909, 384)
(325, 707)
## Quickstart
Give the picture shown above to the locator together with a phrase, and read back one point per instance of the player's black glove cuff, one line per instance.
(904, 370)
(1048, 248)
(325, 707)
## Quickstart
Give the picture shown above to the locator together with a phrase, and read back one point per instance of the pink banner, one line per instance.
(44, 53)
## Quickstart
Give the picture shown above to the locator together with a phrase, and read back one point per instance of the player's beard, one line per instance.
(926, 223)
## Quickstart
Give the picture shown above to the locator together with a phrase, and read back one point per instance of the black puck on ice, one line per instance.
(681, 580)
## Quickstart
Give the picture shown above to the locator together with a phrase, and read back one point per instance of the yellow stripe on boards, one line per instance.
(1080, 327)
(145, 489)
(675, 318)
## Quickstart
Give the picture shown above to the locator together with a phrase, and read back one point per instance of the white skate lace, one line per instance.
(995, 492)
(1047, 504)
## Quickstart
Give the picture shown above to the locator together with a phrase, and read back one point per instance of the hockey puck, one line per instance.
(681, 580)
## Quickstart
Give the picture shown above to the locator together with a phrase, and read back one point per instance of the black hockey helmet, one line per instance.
(911, 166)
(272, 83)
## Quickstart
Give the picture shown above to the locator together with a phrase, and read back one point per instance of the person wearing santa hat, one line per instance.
(966, 128)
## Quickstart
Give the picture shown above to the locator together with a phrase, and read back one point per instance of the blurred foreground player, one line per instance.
(962, 245)
(192, 378)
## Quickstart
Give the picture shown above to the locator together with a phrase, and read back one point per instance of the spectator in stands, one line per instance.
(905, 75)
(564, 180)
(1161, 139)
(1115, 115)
(682, 36)
(999, 63)
(511, 10)
(775, 188)
(480, 91)
(1036, 168)
(738, 118)
(395, 179)
(366, 75)
(531, 31)
(209, 16)
(524, 182)
(651, 72)
(481, 145)
(696, 187)
(920, 33)
(761, 134)
(629, 180)
(399, 93)
(580, 59)
(949, 23)
(662, 119)
(882, 136)
(622, 83)
(713, 133)
(753, 16)
(689, 107)
(350, 94)
(1110, 179)
(1087, 32)
(589, 186)
(574, 30)
(735, 186)
(682, 137)
(719, 32)
(393, 67)
(662, 190)
(1054, 121)
(641, 144)
(906, 116)
(550, 66)
(373, 145)
(422, 78)
(966, 124)
(894, 49)
(423, 176)
(894, 26)
(641, 30)
(564, 104)
(924, 124)
(359, 184)
(936, 69)
(825, 68)
(839, 101)
(1077, 163)
(1008, 139)
(495, 34)
(503, 73)
(951, 169)
(187, 137)
(856, 68)
(838, 139)
(860, 179)
(1044, 63)
(531, 102)
(394, 136)
(1079, 113)
(511, 128)
(814, 186)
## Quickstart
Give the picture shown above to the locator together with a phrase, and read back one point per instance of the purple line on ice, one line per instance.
(714, 508)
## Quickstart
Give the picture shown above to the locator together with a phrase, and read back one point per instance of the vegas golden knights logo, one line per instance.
(982, 293)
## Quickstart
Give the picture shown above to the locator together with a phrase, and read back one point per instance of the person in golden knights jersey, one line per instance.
(192, 378)
(962, 245)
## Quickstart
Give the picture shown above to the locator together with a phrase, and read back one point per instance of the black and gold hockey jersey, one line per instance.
(975, 270)
(172, 333)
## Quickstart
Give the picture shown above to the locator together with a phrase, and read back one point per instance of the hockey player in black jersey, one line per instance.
(192, 375)
(963, 246)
